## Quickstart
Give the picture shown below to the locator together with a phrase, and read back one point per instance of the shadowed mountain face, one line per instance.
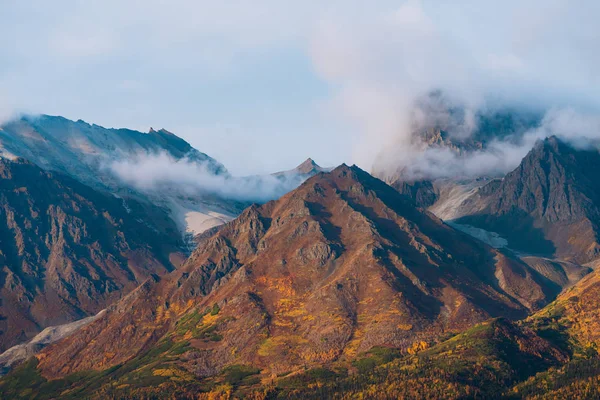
(422, 193)
(340, 265)
(68, 251)
(548, 205)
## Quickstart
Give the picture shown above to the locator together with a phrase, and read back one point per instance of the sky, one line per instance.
(262, 85)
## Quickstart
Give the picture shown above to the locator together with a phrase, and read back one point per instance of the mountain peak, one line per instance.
(549, 199)
(308, 266)
(307, 166)
(550, 143)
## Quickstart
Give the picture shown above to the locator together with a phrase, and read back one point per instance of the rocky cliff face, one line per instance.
(547, 205)
(340, 265)
(67, 250)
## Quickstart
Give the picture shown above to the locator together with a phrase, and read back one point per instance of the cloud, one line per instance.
(501, 155)
(529, 56)
(160, 172)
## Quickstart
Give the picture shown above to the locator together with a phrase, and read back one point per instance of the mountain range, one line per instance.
(345, 286)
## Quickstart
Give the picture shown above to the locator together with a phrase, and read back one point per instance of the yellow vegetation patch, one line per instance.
(417, 346)
(209, 319)
(163, 372)
(173, 374)
(273, 345)
(405, 327)
(282, 285)
(367, 301)
(351, 348)
(283, 323)
(296, 312)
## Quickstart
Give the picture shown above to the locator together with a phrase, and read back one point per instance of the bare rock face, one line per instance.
(68, 251)
(548, 205)
(339, 265)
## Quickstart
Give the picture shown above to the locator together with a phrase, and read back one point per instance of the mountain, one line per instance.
(83, 150)
(91, 154)
(68, 251)
(548, 205)
(337, 267)
(305, 170)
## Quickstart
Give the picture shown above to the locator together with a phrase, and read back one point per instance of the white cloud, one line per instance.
(152, 172)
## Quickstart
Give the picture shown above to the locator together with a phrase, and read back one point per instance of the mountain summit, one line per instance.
(548, 204)
(340, 265)
(307, 169)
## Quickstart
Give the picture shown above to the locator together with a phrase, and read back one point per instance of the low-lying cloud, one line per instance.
(499, 156)
(160, 172)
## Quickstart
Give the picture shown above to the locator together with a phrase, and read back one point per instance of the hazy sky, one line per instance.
(261, 85)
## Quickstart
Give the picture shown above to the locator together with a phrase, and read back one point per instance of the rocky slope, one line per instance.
(548, 205)
(338, 266)
(68, 251)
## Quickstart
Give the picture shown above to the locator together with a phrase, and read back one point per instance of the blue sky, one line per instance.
(261, 85)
